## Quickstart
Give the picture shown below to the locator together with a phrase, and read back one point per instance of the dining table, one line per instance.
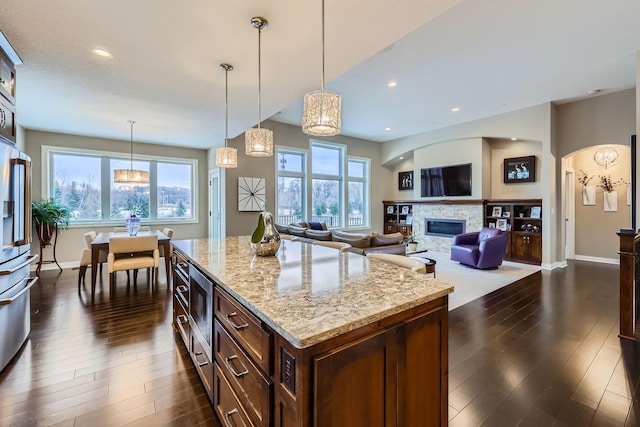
(101, 243)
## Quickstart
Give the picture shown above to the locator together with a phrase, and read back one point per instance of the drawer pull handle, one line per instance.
(182, 289)
(182, 319)
(227, 418)
(232, 369)
(198, 353)
(234, 324)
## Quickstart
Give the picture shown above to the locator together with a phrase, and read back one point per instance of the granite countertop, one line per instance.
(309, 293)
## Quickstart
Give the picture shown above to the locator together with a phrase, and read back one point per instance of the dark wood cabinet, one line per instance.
(522, 219)
(398, 217)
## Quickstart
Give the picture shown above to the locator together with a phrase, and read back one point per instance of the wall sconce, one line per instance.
(606, 156)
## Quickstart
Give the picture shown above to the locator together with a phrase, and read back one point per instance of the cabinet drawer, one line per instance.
(181, 321)
(203, 366)
(7, 120)
(245, 378)
(181, 289)
(245, 328)
(7, 78)
(230, 411)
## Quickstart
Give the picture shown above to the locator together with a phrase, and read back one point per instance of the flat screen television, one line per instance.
(446, 181)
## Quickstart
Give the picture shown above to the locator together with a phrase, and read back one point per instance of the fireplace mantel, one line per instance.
(438, 202)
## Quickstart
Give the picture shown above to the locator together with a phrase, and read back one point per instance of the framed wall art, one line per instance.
(251, 194)
(405, 180)
(520, 169)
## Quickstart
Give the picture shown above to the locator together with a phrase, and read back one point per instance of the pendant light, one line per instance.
(322, 111)
(259, 141)
(226, 157)
(131, 175)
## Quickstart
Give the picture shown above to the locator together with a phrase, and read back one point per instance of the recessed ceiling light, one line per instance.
(387, 129)
(392, 84)
(401, 158)
(455, 109)
(513, 138)
(594, 92)
(103, 53)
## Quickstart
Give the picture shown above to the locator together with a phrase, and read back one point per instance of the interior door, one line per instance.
(216, 205)
(569, 215)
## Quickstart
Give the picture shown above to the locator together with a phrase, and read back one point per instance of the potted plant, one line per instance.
(47, 217)
(412, 242)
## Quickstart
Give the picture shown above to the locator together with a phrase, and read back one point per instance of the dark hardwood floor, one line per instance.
(540, 353)
(112, 363)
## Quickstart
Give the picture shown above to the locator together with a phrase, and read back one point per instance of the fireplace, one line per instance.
(444, 227)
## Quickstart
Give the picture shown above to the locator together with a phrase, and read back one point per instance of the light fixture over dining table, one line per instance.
(131, 175)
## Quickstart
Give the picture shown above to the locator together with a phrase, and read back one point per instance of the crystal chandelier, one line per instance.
(131, 175)
(226, 157)
(259, 141)
(322, 111)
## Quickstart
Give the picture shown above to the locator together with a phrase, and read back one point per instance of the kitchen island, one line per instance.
(312, 336)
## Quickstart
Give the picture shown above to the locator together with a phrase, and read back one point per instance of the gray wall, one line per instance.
(242, 223)
(70, 241)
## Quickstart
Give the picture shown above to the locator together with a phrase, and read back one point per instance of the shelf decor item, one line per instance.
(497, 211)
(520, 169)
(501, 224)
(610, 196)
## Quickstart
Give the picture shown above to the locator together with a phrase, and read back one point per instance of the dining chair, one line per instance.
(343, 247)
(169, 233)
(401, 261)
(85, 257)
(132, 253)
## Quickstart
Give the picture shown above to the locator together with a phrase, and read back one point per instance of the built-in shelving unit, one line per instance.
(522, 219)
(398, 217)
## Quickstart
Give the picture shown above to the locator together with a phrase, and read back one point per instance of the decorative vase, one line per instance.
(133, 225)
(610, 201)
(265, 240)
(413, 247)
(588, 195)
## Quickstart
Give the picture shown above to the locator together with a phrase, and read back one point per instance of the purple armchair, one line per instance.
(483, 249)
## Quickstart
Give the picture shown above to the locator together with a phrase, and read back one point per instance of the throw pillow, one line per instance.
(316, 225)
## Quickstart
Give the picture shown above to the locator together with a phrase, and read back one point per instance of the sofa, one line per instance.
(361, 243)
(483, 249)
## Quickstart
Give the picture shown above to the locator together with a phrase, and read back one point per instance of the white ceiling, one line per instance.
(485, 56)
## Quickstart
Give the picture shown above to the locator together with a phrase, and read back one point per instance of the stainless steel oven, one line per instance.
(201, 309)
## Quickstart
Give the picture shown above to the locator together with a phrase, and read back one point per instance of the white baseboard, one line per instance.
(554, 265)
(52, 266)
(597, 259)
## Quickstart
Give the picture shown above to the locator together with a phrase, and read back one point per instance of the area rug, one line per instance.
(470, 283)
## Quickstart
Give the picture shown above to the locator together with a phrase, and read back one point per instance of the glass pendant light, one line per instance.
(131, 175)
(226, 157)
(259, 141)
(322, 111)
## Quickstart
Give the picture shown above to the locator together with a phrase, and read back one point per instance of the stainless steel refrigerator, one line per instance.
(15, 256)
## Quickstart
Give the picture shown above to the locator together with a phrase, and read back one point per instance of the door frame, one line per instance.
(569, 214)
(217, 173)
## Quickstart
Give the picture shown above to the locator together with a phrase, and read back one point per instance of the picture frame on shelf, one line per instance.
(535, 211)
(520, 169)
(405, 180)
(405, 210)
(501, 224)
(409, 220)
(497, 211)
(492, 225)
(389, 209)
(506, 214)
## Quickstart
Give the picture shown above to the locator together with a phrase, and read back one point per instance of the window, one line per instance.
(339, 186)
(290, 197)
(357, 192)
(326, 184)
(83, 180)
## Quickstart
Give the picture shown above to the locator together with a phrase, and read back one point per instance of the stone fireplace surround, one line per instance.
(469, 210)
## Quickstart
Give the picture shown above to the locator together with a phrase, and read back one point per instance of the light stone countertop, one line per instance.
(310, 293)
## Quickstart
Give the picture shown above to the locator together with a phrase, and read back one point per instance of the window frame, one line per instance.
(48, 179)
(366, 180)
(342, 149)
(290, 174)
